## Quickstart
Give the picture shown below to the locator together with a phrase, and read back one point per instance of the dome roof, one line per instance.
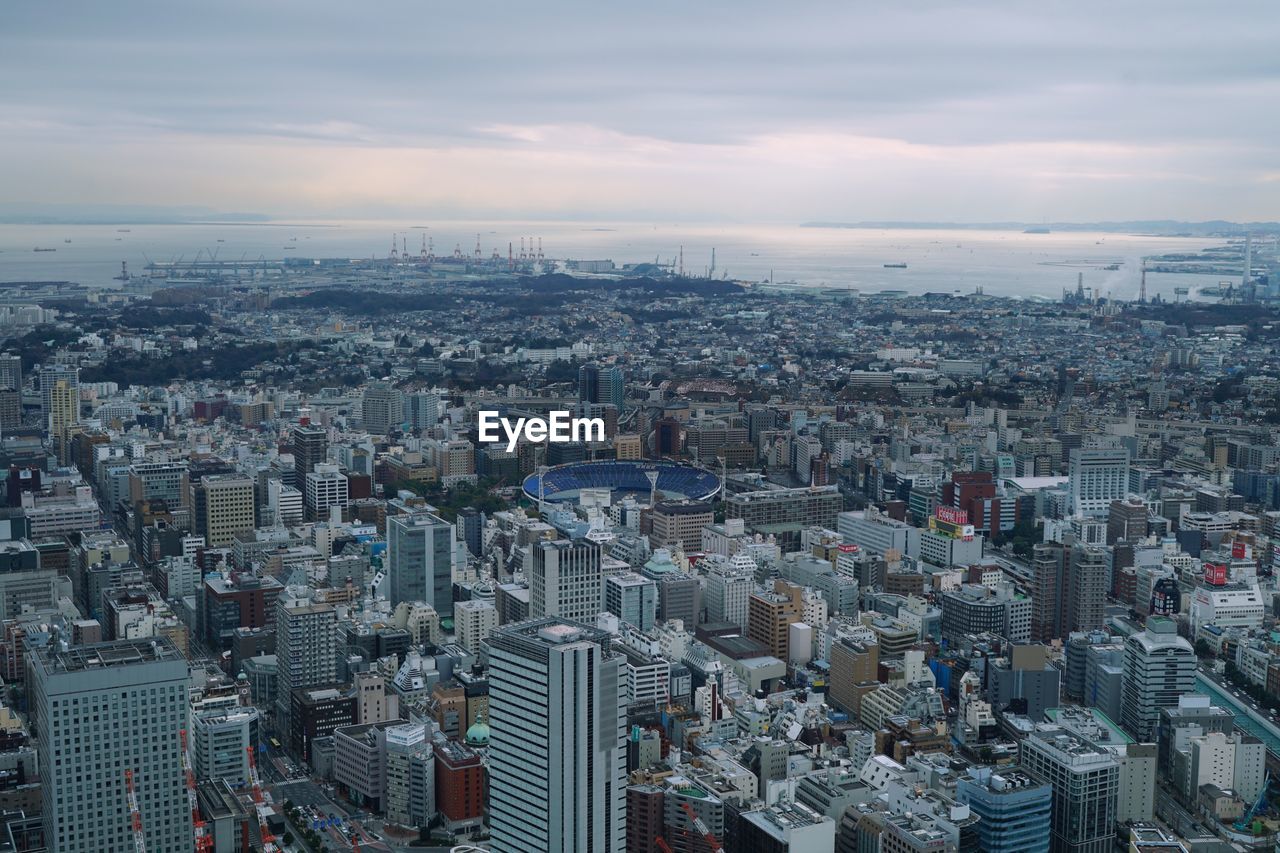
(478, 734)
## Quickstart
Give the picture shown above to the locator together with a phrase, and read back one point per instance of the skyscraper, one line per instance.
(222, 507)
(11, 372)
(102, 710)
(589, 383)
(63, 411)
(1014, 808)
(617, 390)
(310, 448)
(557, 753)
(1159, 667)
(1085, 781)
(1098, 477)
(49, 376)
(566, 580)
(420, 560)
(306, 648)
(382, 408)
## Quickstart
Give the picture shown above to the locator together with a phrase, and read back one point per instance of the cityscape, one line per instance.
(596, 471)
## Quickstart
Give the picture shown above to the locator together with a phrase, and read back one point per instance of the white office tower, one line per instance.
(306, 647)
(1098, 477)
(557, 755)
(567, 580)
(1159, 667)
(729, 583)
(101, 710)
(473, 621)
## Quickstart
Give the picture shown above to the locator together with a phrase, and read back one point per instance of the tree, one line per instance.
(1203, 649)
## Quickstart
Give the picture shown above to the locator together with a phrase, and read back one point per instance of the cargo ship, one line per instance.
(897, 266)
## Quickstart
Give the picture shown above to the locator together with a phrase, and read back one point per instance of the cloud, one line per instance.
(757, 111)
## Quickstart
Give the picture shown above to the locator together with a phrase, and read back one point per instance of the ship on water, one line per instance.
(898, 266)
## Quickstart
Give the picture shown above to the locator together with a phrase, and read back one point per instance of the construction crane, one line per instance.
(663, 845)
(259, 805)
(203, 842)
(712, 844)
(135, 816)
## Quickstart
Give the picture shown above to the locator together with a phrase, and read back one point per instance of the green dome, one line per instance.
(478, 735)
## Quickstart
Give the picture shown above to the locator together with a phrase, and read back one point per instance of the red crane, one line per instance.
(203, 842)
(259, 804)
(712, 843)
(135, 816)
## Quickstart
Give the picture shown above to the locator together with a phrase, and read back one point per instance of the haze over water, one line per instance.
(1003, 263)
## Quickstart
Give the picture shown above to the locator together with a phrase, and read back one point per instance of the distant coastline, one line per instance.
(1158, 227)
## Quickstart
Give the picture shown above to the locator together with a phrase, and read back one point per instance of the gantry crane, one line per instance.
(135, 816)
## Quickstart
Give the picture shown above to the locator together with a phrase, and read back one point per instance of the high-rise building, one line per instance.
(1085, 780)
(632, 598)
(566, 580)
(1098, 477)
(1127, 520)
(411, 775)
(64, 412)
(222, 506)
(729, 583)
(310, 448)
(11, 372)
(770, 615)
(49, 376)
(1159, 667)
(382, 408)
(326, 487)
(616, 392)
(423, 409)
(420, 560)
(103, 710)
(1014, 808)
(589, 383)
(474, 620)
(679, 523)
(557, 752)
(306, 648)
(219, 738)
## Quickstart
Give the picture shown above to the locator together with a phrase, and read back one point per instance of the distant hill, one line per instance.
(1166, 227)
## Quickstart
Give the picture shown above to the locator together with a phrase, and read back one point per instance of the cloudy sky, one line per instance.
(672, 111)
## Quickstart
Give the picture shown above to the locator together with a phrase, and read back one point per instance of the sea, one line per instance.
(1001, 263)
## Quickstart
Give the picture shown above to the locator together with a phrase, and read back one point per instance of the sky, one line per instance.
(656, 111)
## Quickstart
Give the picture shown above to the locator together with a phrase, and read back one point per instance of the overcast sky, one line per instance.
(670, 111)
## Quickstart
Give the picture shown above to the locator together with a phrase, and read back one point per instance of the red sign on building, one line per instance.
(951, 515)
(1215, 574)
